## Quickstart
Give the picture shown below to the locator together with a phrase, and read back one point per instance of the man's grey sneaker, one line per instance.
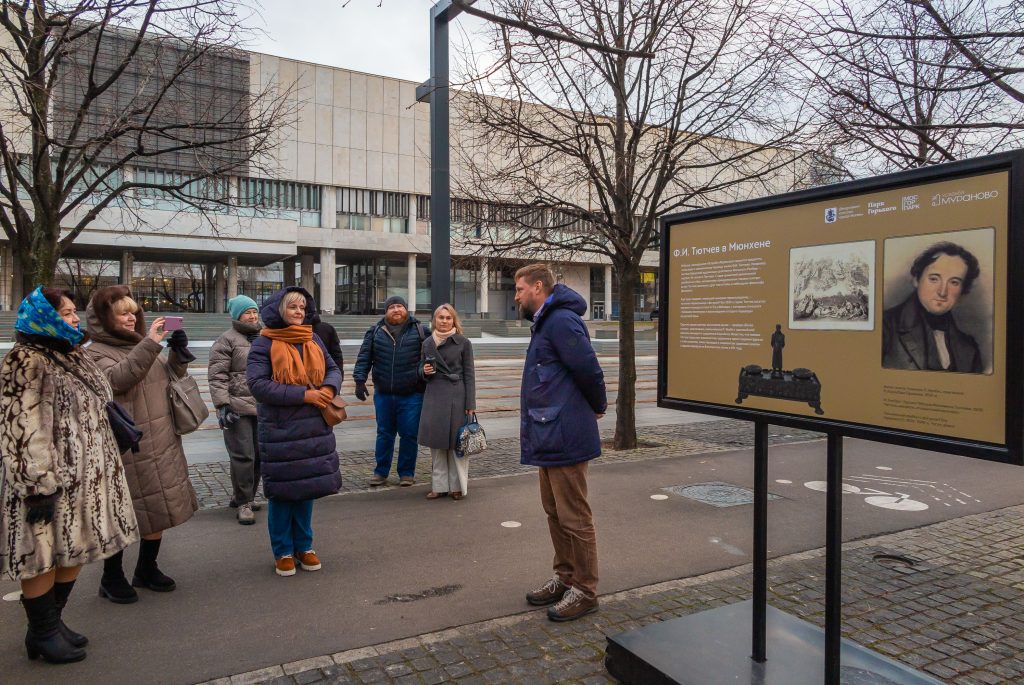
(548, 593)
(376, 480)
(573, 605)
(245, 515)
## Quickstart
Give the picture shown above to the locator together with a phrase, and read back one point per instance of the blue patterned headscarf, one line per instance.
(36, 316)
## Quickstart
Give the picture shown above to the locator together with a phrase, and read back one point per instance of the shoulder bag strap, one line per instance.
(71, 370)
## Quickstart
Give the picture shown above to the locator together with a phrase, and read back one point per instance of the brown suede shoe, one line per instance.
(285, 566)
(406, 481)
(548, 593)
(573, 605)
(309, 561)
(376, 480)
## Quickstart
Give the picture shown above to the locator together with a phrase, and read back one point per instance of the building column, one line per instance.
(411, 283)
(232, 277)
(483, 286)
(307, 275)
(328, 209)
(127, 266)
(288, 271)
(608, 292)
(328, 280)
(219, 286)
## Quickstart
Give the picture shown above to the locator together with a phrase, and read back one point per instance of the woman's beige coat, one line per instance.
(158, 473)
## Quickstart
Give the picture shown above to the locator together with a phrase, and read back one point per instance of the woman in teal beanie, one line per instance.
(236, 407)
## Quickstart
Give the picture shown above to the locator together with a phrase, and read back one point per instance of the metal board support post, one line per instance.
(833, 558)
(759, 625)
(440, 180)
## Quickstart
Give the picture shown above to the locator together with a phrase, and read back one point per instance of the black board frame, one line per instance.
(1012, 450)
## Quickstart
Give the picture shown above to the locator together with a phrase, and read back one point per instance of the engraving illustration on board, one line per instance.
(832, 287)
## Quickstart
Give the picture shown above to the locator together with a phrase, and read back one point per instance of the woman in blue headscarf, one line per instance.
(65, 499)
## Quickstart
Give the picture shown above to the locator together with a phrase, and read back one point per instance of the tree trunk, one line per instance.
(625, 404)
(38, 260)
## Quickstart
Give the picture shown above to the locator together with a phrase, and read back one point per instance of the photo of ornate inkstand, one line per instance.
(799, 385)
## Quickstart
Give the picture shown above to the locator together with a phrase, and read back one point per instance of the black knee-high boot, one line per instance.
(44, 638)
(61, 592)
(147, 574)
(114, 586)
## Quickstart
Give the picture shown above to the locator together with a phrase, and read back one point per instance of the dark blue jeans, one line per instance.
(291, 526)
(397, 414)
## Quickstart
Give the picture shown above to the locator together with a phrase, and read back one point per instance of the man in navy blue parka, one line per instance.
(563, 396)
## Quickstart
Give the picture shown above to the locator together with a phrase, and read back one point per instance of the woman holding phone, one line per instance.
(447, 366)
(129, 354)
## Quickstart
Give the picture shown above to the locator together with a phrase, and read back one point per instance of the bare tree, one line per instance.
(118, 105)
(85, 276)
(573, 150)
(895, 94)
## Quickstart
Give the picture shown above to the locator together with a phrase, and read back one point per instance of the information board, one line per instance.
(888, 308)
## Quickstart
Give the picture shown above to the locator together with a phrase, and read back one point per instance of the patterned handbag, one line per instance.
(471, 438)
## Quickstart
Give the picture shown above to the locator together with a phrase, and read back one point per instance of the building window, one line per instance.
(353, 222)
(261, 192)
(423, 207)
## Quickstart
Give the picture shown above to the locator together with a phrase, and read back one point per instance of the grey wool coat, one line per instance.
(228, 357)
(162, 493)
(446, 399)
(55, 439)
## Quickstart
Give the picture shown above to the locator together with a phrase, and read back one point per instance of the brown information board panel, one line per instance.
(887, 308)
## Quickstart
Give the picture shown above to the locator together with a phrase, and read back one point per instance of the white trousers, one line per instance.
(450, 473)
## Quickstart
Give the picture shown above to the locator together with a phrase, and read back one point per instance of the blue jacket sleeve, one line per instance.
(332, 374)
(572, 345)
(259, 376)
(361, 371)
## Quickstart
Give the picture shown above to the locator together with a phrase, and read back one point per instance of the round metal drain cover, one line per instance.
(897, 561)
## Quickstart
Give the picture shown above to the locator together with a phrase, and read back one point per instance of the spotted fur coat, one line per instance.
(55, 438)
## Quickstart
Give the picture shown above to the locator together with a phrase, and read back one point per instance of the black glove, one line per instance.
(226, 417)
(178, 340)
(40, 508)
(361, 391)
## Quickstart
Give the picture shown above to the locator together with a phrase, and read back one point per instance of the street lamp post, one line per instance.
(435, 91)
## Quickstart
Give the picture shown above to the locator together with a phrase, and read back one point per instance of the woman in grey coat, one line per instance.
(236, 407)
(447, 366)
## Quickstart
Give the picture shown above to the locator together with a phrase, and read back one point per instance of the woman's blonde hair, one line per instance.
(455, 317)
(290, 296)
(125, 305)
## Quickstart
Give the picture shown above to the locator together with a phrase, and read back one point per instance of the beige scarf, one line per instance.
(441, 337)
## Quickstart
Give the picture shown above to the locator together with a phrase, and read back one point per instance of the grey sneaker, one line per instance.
(573, 605)
(376, 480)
(245, 515)
(548, 593)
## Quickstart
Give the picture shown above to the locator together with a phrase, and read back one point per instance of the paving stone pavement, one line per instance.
(956, 613)
(212, 481)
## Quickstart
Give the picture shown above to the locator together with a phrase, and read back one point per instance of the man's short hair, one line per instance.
(953, 250)
(537, 272)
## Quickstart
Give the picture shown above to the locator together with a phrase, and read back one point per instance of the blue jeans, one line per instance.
(291, 526)
(397, 414)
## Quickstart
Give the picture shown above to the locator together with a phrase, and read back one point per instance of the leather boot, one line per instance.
(61, 592)
(44, 638)
(147, 573)
(114, 586)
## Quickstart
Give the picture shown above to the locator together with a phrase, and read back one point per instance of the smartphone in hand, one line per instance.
(173, 323)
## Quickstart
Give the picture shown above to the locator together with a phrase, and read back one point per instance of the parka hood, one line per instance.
(565, 297)
(270, 311)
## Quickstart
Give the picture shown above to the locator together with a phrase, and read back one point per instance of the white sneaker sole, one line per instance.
(314, 567)
(284, 573)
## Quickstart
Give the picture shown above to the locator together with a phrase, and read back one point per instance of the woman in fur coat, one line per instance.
(130, 355)
(65, 499)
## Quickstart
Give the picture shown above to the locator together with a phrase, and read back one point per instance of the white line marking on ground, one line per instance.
(510, 524)
(659, 497)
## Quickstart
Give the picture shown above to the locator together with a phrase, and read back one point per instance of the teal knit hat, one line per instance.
(240, 305)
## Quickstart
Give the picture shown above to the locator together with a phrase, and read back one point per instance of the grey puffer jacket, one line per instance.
(228, 357)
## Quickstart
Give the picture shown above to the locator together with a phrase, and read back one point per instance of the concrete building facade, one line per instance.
(345, 213)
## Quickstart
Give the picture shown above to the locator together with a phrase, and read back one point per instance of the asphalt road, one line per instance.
(397, 565)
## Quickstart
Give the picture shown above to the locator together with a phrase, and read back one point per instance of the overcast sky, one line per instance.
(391, 40)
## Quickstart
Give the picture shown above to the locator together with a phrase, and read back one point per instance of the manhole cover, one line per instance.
(717, 494)
(896, 561)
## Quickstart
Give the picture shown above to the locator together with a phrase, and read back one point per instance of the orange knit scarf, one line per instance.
(289, 366)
